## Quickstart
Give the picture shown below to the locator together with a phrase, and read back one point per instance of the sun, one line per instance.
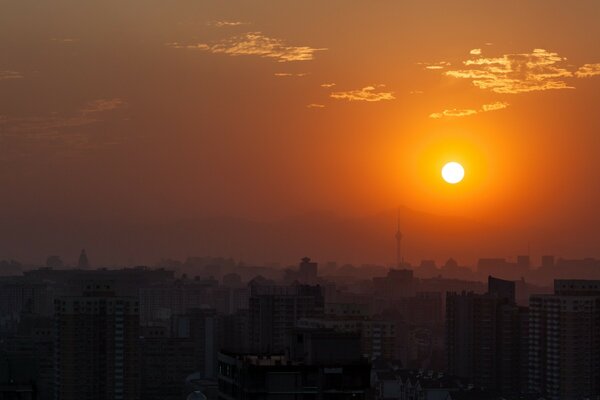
(453, 172)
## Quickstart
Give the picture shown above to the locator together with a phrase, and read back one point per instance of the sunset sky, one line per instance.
(155, 111)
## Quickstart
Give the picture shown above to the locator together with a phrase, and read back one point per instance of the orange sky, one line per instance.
(156, 111)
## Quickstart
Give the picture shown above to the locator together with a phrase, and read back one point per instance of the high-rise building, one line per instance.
(166, 362)
(377, 336)
(201, 327)
(83, 262)
(274, 311)
(564, 341)
(486, 337)
(96, 350)
(307, 271)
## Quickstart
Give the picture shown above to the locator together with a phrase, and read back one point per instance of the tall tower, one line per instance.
(83, 262)
(399, 260)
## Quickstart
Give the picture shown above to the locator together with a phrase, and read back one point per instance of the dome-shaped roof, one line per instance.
(197, 395)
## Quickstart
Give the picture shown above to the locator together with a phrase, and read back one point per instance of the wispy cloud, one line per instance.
(475, 52)
(453, 113)
(516, 73)
(328, 85)
(290, 74)
(101, 105)
(588, 70)
(315, 105)
(368, 93)
(53, 123)
(499, 105)
(6, 75)
(225, 24)
(434, 65)
(465, 112)
(255, 44)
(65, 40)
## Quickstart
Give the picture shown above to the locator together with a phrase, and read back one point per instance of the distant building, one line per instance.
(547, 261)
(96, 349)
(307, 271)
(564, 346)
(397, 283)
(83, 262)
(274, 311)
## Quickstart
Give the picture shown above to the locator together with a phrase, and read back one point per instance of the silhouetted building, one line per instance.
(97, 353)
(502, 288)
(377, 336)
(486, 338)
(397, 283)
(28, 357)
(547, 262)
(201, 327)
(166, 362)
(274, 311)
(307, 271)
(319, 364)
(235, 332)
(54, 262)
(564, 346)
(83, 262)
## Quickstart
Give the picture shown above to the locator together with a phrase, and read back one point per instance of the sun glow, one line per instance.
(453, 172)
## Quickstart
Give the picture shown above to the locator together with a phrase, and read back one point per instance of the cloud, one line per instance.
(6, 75)
(315, 105)
(255, 44)
(195, 46)
(475, 52)
(226, 24)
(290, 74)
(65, 40)
(499, 105)
(456, 113)
(53, 123)
(516, 73)
(453, 113)
(434, 66)
(101, 105)
(368, 93)
(588, 70)
(328, 85)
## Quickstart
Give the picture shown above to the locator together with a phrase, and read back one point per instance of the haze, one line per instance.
(267, 129)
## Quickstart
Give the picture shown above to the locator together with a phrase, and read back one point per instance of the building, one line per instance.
(161, 301)
(166, 362)
(201, 327)
(486, 338)
(307, 271)
(274, 311)
(393, 383)
(96, 350)
(564, 341)
(235, 334)
(377, 336)
(318, 364)
(397, 283)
